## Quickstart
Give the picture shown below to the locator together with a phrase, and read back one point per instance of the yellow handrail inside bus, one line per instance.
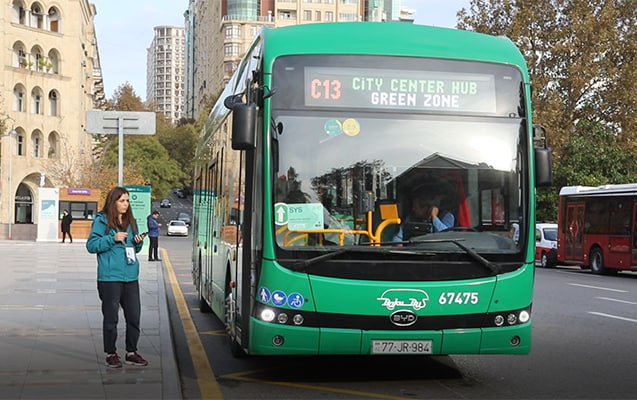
(389, 216)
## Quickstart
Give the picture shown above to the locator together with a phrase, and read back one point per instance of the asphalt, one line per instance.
(51, 328)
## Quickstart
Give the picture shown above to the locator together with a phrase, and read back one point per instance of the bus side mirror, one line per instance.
(543, 167)
(543, 158)
(244, 123)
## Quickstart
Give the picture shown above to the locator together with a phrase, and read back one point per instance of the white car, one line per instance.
(546, 245)
(177, 228)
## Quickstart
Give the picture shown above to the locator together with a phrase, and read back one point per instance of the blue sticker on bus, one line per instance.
(278, 298)
(295, 300)
(264, 294)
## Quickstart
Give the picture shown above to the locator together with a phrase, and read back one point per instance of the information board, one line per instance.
(399, 89)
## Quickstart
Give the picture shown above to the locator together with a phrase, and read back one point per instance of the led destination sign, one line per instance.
(399, 89)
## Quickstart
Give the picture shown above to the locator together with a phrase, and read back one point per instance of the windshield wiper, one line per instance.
(481, 260)
(301, 265)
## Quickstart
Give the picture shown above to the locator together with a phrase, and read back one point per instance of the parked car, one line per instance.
(180, 193)
(546, 245)
(184, 217)
(177, 228)
(165, 203)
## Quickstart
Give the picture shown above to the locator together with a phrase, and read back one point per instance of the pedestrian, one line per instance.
(153, 235)
(114, 238)
(67, 219)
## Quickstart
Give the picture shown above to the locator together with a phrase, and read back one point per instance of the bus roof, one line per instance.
(621, 189)
(390, 38)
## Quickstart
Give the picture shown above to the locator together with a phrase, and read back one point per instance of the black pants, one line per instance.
(64, 236)
(153, 248)
(114, 294)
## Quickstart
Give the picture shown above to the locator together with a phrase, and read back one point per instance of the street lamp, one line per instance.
(12, 132)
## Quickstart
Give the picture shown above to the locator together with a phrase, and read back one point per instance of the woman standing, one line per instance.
(115, 240)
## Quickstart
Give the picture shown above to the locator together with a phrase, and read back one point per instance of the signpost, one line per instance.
(121, 123)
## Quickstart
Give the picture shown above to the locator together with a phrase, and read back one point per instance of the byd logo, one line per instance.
(403, 318)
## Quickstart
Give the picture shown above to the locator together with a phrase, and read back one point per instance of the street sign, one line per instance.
(108, 122)
(120, 123)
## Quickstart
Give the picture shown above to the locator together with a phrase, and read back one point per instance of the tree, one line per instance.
(593, 157)
(180, 143)
(125, 99)
(582, 58)
(145, 156)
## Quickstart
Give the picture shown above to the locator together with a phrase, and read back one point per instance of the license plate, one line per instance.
(401, 346)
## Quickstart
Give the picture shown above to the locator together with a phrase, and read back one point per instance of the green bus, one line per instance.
(308, 174)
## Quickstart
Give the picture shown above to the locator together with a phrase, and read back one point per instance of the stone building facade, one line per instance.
(51, 77)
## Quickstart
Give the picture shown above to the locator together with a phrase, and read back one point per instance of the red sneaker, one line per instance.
(135, 359)
(113, 361)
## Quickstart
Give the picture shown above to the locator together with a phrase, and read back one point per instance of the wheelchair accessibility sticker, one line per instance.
(295, 300)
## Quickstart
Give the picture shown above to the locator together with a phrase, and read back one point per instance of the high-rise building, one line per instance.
(51, 77)
(165, 74)
(219, 33)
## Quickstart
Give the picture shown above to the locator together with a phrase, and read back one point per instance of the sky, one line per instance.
(125, 30)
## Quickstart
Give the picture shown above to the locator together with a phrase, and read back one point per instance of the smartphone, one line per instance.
(143, 235)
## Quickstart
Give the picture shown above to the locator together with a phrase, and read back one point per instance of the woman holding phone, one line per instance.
(114, 238)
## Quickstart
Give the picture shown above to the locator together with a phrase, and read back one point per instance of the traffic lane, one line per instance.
(577, 353)
(562, 362)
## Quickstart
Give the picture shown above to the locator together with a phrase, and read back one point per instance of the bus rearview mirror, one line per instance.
(543, 167)
(244, 123)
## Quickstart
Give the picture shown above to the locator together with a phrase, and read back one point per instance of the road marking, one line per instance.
(598, 287)
(612, 316)
(208, 385)
(218, 332)
(616, 300)
(240, 376)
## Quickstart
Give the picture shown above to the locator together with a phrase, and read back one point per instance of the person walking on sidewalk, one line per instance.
(114, 238)
(67, 219)
(153, 235)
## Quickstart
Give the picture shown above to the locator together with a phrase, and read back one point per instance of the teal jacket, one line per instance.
(111, 255)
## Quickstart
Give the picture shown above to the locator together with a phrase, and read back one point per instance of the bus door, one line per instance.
(634, 233)
(574, 231)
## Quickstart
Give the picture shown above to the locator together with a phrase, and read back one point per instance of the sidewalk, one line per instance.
(51, 328)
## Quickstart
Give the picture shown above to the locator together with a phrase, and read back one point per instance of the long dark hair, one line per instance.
(112, 216)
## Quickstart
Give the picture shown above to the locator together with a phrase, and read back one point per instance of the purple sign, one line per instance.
(79, 191)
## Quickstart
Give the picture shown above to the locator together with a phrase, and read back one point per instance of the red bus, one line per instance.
(597, 227)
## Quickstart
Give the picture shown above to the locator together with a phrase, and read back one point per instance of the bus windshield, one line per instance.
(362, 173)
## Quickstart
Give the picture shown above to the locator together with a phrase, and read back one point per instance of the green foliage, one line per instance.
(582, 58)
(163, 160)
(145, 154)
(180, 144)
(593, 157)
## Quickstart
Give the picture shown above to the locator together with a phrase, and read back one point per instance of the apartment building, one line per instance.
(218, 33)
(51, 77)
(165, 74)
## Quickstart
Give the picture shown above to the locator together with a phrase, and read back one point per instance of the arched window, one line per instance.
(53, 103)
(20, 58)
(54, 141)
(54, 61)
(54, 19)
(20, 144)
(19, 12)
(36, 58)
(36, 101)
(19, 98)
(36, 143)
(37, 16)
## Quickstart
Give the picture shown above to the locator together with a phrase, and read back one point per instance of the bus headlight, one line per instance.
(267, 315)
(512, 319)
(524, 316)
(298, 319)
(498, 320)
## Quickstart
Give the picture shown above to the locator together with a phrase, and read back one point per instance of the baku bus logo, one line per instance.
(404, 298)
